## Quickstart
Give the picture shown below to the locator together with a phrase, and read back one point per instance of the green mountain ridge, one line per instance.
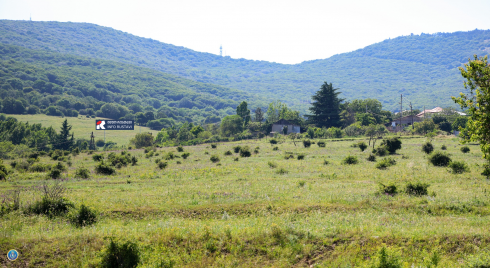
(421, 67)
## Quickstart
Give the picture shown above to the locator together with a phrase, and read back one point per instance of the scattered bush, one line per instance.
(459, 167)
(214, 158)
(371, 158)
(350, 160)
(288, 155)
(275, 148)
(236, 149)
(362, 145)
(99, 143)
(256, 150)
(162, 165)
(38, 167)
(443, 147)
(134, 160)
(54, 174)
(272, 164)
(53, 202)
(306, 143)
(185, 155)
(383, 260)
(180, 149)
(300, 156)
(321, 144)
(381, 151)
(465, 149)
(392, 144)
(82, 173)
(214, 145)
(439, 159)
(282, 171)
(235, 159)
(104, 168)
(325, 162)
(245, 152)
(83, 217)
(22, 166)
(273, 141)
(417, 188)
(389, 189)
(385, 163)
(301, 183)
(169, 156)
(120, 255)
(427, 148)
(98, 157)
(228, 153)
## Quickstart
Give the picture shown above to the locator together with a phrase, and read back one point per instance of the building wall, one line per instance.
(291, 128)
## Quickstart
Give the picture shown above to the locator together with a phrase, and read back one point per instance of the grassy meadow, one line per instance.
(82, 127)
(260, 211)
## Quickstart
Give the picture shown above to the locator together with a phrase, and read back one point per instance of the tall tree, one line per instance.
(477, 74)
(259, 116)
(243, 112)
(63, 140)
(326, 107)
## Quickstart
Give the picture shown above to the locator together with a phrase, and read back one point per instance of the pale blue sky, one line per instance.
(280, 31)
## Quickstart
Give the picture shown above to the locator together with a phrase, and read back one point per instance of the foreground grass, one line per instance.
(243, 213)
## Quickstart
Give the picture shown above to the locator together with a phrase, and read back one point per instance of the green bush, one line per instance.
(282, 171)
(321, 144)
(417, 188)
(83, 217)
(245, 152)
(118, 254)
(392, 144)
(39, 167)
(288, 155)
(272, 164)
(300, 156)
(325, 162)
(104, 168)
(465, 149)
(371, 158)
(383, 260)
(306, 143)
(439, 159)
(385, 163)
(162, 165)
(236, 149)
(134, 160)
(214, 158)
(275, 148)
(214, 145)
(256, 150)
(50, 207)
(389, 189)
(381, 151)
(459, 167)
(185, 155)
(99, 143)
(427, 147)
(301, 183)
(362, 145)
(180, 149)
(228, 153)
(273, 141)
(350, 160)
(82, 173)
(235, 159)
(98, 157)
(443, 147)
(169, 156)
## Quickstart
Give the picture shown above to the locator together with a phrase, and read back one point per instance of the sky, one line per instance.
(278, 31)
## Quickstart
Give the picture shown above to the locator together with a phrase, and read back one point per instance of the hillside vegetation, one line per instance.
(422, 67)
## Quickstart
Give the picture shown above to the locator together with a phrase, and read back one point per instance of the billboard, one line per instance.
(114, 125)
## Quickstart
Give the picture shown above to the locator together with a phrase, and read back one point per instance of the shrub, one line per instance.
(443, 147)
(22, 166)
(350, 160)
(275, 148)
(235, 159)
(389, 189)
(392, 144)
(256, 150)
(288, 155)
(300, 156)
(228, 153)
(98, 157)
(325, 162)
(83, 217)
(282, 171)
(214, 145)
(100, 143)
(104, 168)
(385, 163)
(245, 152)
(82, 173)
(439, 159)
(236, 149)
(301, 183)
(120, 255)
(427, 148)
(465, 149)
(38, 167)
(272, 164)
(383, 260)
(381, 151)
(185, 155)
(417, 188)
(306, 143)
(371, 158)
(169, 156)
(162, 165)
(53, 202)
(321, 144)
(134, 160)
(180, 149)
(214, 158)
(54, 173)
(273, 141)
(459, 167)
(362, 145)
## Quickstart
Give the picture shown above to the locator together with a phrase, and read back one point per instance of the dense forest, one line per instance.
(35, 81)
(422, 67)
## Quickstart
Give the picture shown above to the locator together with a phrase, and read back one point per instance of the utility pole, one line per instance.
(411, 113)
(401, 110)
(424, 112)
(92, 142)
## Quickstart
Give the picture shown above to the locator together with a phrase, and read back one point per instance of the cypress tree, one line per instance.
(326, 107)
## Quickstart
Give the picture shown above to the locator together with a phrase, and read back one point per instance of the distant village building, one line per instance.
(279, 126)
(407, 120)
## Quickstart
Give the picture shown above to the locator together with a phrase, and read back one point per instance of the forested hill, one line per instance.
(422, 67)
(62, 84)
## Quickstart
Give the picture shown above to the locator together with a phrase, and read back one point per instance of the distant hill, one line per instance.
(422, 67)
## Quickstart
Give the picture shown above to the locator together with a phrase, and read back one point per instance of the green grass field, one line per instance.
(247, 214)
(82, 127)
